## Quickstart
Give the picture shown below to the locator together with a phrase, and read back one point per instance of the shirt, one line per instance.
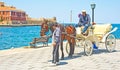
(56, 35)
(84, 19)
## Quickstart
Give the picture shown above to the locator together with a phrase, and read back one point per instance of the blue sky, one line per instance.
(106, 11)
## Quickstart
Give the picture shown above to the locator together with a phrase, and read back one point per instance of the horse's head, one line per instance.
(51, 24)
(44, 28)
(42, 32)
(62, 28)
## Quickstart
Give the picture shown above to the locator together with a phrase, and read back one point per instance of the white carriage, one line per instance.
(99, 33)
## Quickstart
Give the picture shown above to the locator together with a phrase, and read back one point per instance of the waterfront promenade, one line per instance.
(40, 59)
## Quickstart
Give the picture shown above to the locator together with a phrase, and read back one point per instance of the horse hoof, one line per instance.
(70, 56)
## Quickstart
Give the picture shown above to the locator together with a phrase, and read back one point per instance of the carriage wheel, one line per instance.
(110, 43)
(88, 47)
(67, 48)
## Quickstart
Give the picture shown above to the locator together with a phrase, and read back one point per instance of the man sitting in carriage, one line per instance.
(84, 20)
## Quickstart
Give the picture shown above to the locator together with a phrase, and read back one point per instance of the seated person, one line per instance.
(84, 20)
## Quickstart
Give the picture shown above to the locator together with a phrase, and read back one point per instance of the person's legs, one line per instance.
(53, 58)
(57, 52)
(85, 28)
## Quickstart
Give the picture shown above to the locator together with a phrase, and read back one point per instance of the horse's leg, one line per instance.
(70, 54)
(73, 48)
(62, 57)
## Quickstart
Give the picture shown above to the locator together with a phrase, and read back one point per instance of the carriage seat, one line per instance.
(101, 29)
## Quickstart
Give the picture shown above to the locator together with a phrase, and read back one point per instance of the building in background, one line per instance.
(11, 15)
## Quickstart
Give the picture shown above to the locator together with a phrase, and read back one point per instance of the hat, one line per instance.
(83, 10)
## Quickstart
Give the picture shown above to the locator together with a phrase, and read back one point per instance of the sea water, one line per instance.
(15, 37)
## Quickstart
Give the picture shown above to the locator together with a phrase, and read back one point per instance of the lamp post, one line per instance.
(93, 7)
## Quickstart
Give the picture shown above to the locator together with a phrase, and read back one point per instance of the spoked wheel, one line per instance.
(67, 48)
(110, 43)
(88, 47)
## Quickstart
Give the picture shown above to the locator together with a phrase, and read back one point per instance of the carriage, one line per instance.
(95, 35)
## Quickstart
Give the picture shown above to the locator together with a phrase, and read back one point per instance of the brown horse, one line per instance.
(71, 33)
(65, 35)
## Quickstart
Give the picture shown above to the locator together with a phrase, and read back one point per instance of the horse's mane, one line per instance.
(70, 29)
(62, 28)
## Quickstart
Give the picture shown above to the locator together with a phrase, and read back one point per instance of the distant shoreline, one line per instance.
(19, 25)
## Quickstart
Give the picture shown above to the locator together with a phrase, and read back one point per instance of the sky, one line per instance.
(106, 11)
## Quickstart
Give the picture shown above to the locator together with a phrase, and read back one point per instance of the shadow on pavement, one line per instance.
(99, 51)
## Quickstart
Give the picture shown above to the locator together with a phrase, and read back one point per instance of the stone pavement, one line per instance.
(40, 59)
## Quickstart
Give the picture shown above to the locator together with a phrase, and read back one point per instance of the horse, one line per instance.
(44, 28)
(70, 37)
(65, 35)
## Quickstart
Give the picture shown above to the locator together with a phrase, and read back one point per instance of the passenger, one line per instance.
(84, 20)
